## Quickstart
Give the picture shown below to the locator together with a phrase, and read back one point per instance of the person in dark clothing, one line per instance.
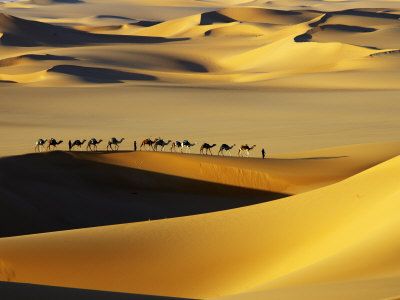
(263, 153)
(134, 146)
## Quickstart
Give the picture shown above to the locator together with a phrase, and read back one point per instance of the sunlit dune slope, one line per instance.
(366, 289)
(289, 174)
(347, 231)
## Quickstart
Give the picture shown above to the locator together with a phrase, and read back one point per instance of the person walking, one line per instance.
(263, 153)
(134, 146)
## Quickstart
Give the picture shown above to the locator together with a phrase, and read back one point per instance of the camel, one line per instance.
(226, 148)
(162, 143)
(78, 143)
(114, 141)
(40, 143)
(148, 143)
(93, 142)
(53, 143)
(176, 144)
(245, 148)
(186, 144)
(207, 147)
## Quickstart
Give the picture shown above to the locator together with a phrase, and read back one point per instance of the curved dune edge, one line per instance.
(347, 231)
(289, 174)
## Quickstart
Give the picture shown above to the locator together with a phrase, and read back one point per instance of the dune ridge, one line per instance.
(141, 186)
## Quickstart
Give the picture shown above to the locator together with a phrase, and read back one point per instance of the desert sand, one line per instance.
(314, 82)
(341, 235)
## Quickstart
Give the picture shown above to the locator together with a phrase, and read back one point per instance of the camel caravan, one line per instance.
(147, 144)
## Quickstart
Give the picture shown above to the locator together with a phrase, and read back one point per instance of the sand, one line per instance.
(342, 232)
(315, 83)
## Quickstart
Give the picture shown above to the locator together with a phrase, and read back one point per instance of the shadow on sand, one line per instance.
(100, 75)
(55, 191)
(24, 291)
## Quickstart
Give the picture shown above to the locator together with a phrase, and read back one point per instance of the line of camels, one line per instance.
(147, 144)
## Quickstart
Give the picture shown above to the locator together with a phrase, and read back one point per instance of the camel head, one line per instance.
(83, 141)
(99, 141)
(252, 147)
(213, 145)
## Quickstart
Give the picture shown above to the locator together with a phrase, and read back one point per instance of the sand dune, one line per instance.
(299, 247)
(143, 185)
(250, 45)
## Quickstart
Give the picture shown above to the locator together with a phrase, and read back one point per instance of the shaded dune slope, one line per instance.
(26, 33)
(64, 192)
(300, 240)
(21, 291)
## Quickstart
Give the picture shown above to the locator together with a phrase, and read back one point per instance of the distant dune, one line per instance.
(255, 45)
